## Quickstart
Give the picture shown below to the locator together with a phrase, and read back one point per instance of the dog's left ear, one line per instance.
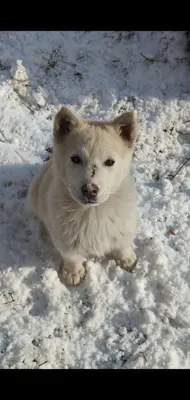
(127, 124)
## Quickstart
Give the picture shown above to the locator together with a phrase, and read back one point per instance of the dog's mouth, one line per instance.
(90, 201)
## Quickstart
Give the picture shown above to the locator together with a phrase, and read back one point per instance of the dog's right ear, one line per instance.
(64, 122)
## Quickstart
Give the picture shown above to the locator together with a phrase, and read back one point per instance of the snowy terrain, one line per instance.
(114, 319)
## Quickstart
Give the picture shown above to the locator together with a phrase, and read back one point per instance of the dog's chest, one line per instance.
(93, 233)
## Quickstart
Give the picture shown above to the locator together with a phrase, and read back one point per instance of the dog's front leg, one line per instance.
(72, 269)
(126, 258)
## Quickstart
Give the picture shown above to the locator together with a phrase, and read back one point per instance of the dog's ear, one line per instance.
(127, 125)
(64, 122)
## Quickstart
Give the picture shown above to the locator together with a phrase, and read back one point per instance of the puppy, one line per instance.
(84, 195)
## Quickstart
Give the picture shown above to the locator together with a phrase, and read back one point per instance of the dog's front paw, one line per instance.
(72, 272)
(126, 259)
(130, 262)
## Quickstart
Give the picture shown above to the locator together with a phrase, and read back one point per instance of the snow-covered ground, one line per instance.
(113, 319)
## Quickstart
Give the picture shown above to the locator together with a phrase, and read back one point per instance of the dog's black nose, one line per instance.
(90, 190)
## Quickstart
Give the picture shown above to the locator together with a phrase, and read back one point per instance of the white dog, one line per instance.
(84, 194)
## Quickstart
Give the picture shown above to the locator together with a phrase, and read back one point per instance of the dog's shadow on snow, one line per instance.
(21, 244)
(18, 229)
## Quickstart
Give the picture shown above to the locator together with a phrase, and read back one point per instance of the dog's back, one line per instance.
(38, 190)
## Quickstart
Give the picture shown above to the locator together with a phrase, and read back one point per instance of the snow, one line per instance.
(114, 319)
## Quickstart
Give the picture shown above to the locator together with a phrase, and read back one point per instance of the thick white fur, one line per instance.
(78, 230)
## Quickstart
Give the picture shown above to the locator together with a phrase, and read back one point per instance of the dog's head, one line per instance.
(93, 157)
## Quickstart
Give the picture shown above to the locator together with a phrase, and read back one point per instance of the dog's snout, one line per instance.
(90, 190)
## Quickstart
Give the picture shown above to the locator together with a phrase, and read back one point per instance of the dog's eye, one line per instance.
(76, 159)
(109, 162)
